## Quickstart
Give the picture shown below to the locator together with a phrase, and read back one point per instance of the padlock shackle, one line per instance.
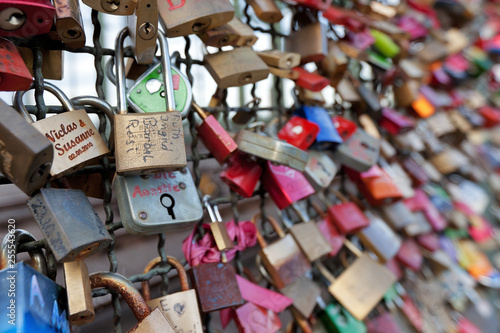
(263, 270)
(125, 288)
(301, 212)
(22, 236)
(318, 209)
(299, 320)
(325, 272)
(121, 88)
(199, 111)
(167, 73)
(95, 102)
(172, 262)
(353, 248)
(214, 217)
(260, 239)
(56, 91)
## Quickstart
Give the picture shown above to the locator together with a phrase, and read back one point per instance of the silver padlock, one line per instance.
(320, 170)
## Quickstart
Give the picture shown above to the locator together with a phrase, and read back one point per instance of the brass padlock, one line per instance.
(218, 227)
(69, 23)
(307, 96)
(334, 65)
(52, 64)
(75, 139)
(25, 154)
(193, 17)
(362, 285)
(80, 305)
(181, 308)
(266, 10)
(280, 59)
(307, 39)
(143, 31)
(147, 142)
(122, 7)
(149, 321)
(234, 32)
(236, 68)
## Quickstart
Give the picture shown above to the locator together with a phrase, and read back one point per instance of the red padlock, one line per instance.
(24, 18)
(329, 231)
(345, 127)
(395, 123)
(214, 136)
(285, 185)
(378, 187)
(299, 132)
(241, 173)
(346, 216)
(409, 255)
(252, 318)
(310, 81)
(344, 17)
(490, 114)
(418, 202)
(14, 75)
(430, 242)
(384, 323)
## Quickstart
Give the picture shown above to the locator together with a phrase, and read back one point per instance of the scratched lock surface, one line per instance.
(150, 204)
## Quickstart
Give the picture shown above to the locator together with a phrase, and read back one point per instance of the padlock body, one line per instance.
(309, 41)
(347, 217)
(14, 75)
(320, 170)
(285, 185)
(143, 31)
(380, 239)
(39, 16)
(25, 154)
(75, 139)
(339, 320)
(284, 261)
(409, 255)
(359, 152)
(72, 228)
(310, 239)
(311, 81)
(221, 237)
(328, 136)
(216, 139)
(266, 10)
(35, 303)
(251, 318)
(304, 293)
(154, 322)
(151, 204)
(300, 132)
(149, 143)
(186, 17)
(216, 286)
(181, 310)
(69, 23)
(241, 174)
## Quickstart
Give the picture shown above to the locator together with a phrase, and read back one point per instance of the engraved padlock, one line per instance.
(75, 139)
(26, 18)
(192, 17)
(69, 23)
(69, 223)
(152, 204)
(152, 142)
(180, 308)
(26, 155)
(143, 31)
(14, 75)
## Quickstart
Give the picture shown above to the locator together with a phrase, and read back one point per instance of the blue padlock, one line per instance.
(31, 302)
(328, 137)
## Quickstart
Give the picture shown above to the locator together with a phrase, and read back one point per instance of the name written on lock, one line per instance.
(160, 189)
(67, 145)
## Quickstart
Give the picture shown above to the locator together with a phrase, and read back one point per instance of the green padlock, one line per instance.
(384, 44)
(148, 92)
(337, 319)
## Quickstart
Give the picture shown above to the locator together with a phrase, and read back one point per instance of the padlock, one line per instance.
(299, 131)
(345, 127)
(244, 34)
(218, 228)
(406, 92)
(307, 235)
(25, 154)
(151, 204)
(377, 186)
(234, 33)
(153, 142)
(80, 306)
(69, 23)
(329, 230)
(14, 75)
(142, 28)
(284, 73)
(337, 319)
(266, 10)
(285, 185)
(69, 223)
(214, 136)
(216, 286)
(449, 161)
(384, 44)
(181, 308)
(253, 318)
(309, 40)
(73, 135)
(34, 302)
(280, 59)
(149, 321)
(193, 17)
(430, 242)
(334, 65)
(409, 255)
(320, 170)
(420, 225)
(369, 97)
(401, 301)
(52, 64)
(327, 136)
(309, 80)
(122, 7)
(283, 259)
(309, 97)
(399, 176)
(394, 122)
(398, 215)
(415, 171)
(361, 285)
(241, 173)
(359, 152)
(383, 323)
(236, 68)
(346, 215)
(379, 238)
(26, 18)
(270, 149)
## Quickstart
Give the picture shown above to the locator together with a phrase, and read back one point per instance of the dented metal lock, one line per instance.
(69, 23)
(26, 18)
(151, 204)
(14, 75)
(69, 223)
(180, 308)
(75, 139)
(39, 302)
(147, 143)
(26, 155)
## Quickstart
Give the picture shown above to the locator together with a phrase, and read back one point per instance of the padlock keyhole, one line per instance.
(170, 207)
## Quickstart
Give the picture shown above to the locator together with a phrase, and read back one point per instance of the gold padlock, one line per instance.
(280, 59)
(181, 308)
(234, 32)
(80, 305)
(69, 23)
(266, 10)
(193, 17)
(142, 27)
(236, 68)
(218, 228)
(122, 7)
